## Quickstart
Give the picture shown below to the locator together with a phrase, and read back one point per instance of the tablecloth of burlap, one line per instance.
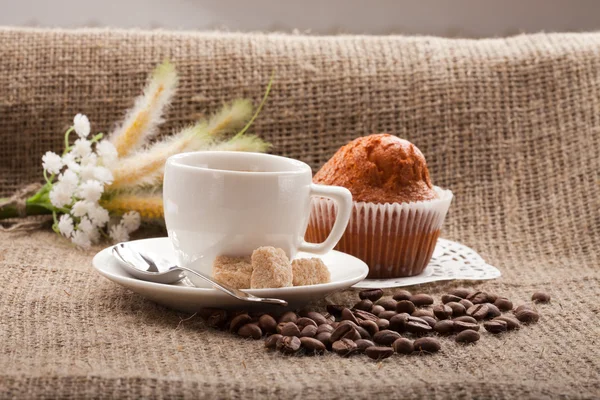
(512, 126)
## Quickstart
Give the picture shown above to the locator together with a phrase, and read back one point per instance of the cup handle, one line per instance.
(343, 198)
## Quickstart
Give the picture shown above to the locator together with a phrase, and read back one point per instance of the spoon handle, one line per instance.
(232, 291)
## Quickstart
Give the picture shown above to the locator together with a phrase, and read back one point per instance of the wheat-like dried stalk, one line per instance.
(150, 206)
(145, 168)
(250, 143)
(143, 119)
(231, 118)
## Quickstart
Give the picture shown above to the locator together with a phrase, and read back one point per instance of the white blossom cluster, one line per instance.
(78, 179)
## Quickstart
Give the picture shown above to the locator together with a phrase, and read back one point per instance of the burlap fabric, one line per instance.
(512, 126)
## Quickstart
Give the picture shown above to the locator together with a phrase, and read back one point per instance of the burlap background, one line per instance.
(512, 126)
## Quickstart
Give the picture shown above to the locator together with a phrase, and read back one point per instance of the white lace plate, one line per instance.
(450, 261)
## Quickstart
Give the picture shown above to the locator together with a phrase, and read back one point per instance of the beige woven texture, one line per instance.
(512, 126)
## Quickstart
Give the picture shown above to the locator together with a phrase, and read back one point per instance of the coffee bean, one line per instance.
(466, 303)
(308, 331)
(511, 322)
(377, 309)
(305, 321)
(319, 318)
(421, 299)
(205, 313)
(417, 326)
(271, 341)
(503, 304)
(423, 312)
(467, 336)
(280, 327)
(540, 297)
(334, 309)
(289, 316)
(527, 316)
(442, 311)
(378, 352)
(290, 329)
(250, 331)
(461, 292)
(492, 297)
(525, 307)
(370, 294)
(460, 326)
(364, 315)
(363, 344)
(457, 309)
(466, 318)
(364, 334)
(324, 337)
(427, 345)
(447, 298)
(479, 298)
(405, 306)
(382, 323)
(348, 315)
(403, 346)
(344, 331)
(398, 322)
(267, 323)
(334, 324)
(387, 315)
(495, 326)
(478, 311)
(387, 303)
(385, 337)
(344, 347)
(312, 346)
(217, 319)
(365, 305)
(430, 321)
(444, 327)
(370, 326)
(328, 318)
(493, 311)
(239, 321)
(346, 322)
(325, 328)
(289, 344)
(402, 295)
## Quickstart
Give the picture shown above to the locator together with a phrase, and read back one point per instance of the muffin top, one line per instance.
(380, 168)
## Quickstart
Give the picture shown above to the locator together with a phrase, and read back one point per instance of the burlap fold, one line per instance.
(511, 126)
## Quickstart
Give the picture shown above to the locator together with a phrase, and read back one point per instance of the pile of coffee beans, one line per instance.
(379, 326)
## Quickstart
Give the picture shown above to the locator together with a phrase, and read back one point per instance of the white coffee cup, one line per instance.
(230, 203)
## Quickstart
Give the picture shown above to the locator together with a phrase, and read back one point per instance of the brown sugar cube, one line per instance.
(270, 268)
(309, 271)
(233, 271)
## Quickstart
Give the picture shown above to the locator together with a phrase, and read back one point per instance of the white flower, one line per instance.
(118, 233)
(81, 148)
(107, 152)
(104, 175)
(98, 215)
(81, 239)
(61, 195)
(81, 208)
(94, 236)
(87, 172)
(81, 123)
(52, 162)
(131, 221)
(65, 225)
(69, 160)
(90, 159)
(90, 190)
(86, 225)
(69, 179)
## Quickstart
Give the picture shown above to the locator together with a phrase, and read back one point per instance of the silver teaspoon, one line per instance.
(145, 267)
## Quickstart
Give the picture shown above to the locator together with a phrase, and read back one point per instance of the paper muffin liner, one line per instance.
(394, 240)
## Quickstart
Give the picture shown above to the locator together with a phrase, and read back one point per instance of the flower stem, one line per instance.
(67, 139)
(11, 211)
(260, 106)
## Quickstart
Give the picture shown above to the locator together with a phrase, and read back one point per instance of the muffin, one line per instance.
(397, 213)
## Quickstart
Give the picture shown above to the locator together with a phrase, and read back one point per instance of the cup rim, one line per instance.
(178, 161)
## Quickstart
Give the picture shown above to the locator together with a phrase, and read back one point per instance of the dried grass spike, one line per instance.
(231, 118)
(249, 143)
(142, 121)
(149, 206)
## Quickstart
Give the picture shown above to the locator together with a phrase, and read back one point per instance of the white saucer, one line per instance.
(345, 271)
